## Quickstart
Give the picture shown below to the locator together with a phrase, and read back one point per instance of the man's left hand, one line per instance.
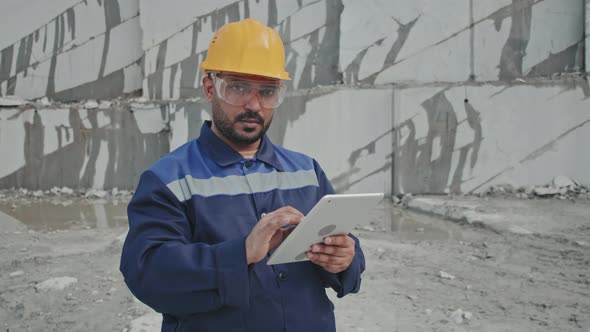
(335, 254)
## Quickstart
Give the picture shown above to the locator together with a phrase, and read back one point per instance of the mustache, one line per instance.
(249, 115)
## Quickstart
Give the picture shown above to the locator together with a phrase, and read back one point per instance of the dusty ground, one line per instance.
(501, 281)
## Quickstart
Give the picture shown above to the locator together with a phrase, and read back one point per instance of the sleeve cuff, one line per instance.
(345, 282)
(234, 283)
(350, 279)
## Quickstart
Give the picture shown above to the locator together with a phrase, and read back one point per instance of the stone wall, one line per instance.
(70, 50)
(396, 96)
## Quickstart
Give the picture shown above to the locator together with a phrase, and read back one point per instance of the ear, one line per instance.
(208, 88)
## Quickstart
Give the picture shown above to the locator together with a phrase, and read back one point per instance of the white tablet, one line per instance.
(333, 214)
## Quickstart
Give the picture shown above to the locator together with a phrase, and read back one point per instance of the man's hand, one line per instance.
(268, 232)
(335, 254)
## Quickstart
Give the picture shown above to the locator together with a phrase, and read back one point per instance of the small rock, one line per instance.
(420, 230)
(38, 193)
(467, 315)
(99, 301)
(111, 291)
(140, 99)
(59, 283)
(406, 199)
(396, 200)
(56, 191)
(94, 292)
(104, 105)
(546, 191)
(12, 101)
(380, 250)
(124, 193)
(16, 273)
(125, 330)
(428, 312)
(44, 101)
(582, 243)
(368, 228)
(66, 191)
(70, 297)
(91, 104)
(457, 316)
(93, 193)
(446, 275)
(562, 181)
(506, 188)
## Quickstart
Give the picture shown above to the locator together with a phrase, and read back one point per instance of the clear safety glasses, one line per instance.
(240, 93)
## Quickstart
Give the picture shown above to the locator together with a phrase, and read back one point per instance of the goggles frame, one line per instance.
(240, 92)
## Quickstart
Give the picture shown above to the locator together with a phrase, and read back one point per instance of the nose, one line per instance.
(254, 103)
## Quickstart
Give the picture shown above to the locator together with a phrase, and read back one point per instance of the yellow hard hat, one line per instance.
(247, 47)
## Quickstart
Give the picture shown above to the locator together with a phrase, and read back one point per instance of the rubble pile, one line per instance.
(89, 104)
(561, 187)
(62, 193)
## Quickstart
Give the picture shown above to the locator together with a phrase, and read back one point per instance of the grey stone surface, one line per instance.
(524, 217)
(58, 283)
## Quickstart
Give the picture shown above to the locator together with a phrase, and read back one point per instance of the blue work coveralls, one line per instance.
(185, 257)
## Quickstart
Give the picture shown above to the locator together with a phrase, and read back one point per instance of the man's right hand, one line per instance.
(269, 233)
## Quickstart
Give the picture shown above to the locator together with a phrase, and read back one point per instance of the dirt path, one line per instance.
(500, 281)
(506, 282)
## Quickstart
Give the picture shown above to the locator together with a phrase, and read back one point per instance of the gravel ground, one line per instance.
(59, 272)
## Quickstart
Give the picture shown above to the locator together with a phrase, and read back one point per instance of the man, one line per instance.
(205, 217)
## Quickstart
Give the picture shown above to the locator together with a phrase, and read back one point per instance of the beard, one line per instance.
(225, 125)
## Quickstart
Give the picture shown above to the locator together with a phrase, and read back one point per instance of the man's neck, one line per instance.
(249, 153)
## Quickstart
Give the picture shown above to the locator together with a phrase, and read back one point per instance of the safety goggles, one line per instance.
(240, 93)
